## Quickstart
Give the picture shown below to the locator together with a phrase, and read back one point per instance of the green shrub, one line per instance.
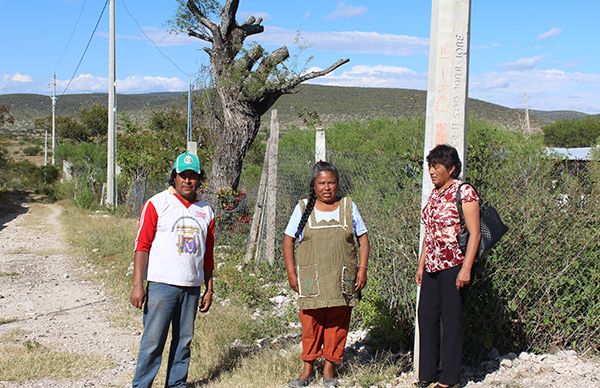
(513, 305)
(572, 133)
(32, 150)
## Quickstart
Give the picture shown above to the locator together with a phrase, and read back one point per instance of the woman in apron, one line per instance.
(324, 270)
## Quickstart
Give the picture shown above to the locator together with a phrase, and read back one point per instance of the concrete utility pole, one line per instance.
(112, 111)
(445, 121)
(53, 117)
(192, 146)
(320, 145)
(45, 146)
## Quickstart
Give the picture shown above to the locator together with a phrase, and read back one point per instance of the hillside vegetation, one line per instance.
(331, 103)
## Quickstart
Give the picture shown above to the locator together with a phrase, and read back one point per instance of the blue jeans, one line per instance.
(166, 304)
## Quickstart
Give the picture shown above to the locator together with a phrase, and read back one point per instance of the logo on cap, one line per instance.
(187, 160)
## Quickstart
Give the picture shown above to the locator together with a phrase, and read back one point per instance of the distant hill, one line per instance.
(331, 103)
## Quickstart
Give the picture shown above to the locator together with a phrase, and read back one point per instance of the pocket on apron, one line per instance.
(348, 280)
(308, 281)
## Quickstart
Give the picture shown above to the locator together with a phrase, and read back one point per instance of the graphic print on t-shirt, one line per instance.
(188, 236)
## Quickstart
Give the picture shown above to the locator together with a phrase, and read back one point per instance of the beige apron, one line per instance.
(326, 261)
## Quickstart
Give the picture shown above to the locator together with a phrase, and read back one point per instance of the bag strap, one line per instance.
(459, 201)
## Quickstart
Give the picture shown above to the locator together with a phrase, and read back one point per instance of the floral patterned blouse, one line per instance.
(442, 224)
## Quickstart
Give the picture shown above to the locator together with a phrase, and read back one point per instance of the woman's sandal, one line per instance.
(423, 384)
(331, 383)
(296, 383)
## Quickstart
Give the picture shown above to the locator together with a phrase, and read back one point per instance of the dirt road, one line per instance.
(45, 296)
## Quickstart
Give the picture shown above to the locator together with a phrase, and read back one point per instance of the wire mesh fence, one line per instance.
(540, 287)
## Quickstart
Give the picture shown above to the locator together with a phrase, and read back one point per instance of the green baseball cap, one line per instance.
(187, 161)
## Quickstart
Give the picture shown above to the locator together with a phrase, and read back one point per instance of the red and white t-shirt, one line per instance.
(179, 237)
(442, 224)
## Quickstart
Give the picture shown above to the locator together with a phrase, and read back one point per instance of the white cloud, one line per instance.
(550, 33)
(523, 63)
(142, 84)
(17, 77)
(548, 89)
(384, 76)
(344, 10)
(349, 41)
(88, 83)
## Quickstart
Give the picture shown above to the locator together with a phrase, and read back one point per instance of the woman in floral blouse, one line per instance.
(444, 270)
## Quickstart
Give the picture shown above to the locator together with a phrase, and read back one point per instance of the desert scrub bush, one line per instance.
(582, 132)
(32, 150)
(537, 290)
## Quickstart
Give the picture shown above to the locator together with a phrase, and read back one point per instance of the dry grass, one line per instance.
(26, 360)
(106, 243)
(12, 335)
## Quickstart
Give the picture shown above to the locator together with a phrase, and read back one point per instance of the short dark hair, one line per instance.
(447, 156)
(174, 174)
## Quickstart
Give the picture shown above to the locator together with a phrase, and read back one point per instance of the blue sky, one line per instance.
(545, 48)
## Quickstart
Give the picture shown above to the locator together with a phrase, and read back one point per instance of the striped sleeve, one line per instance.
(147, 228)
(209, 254)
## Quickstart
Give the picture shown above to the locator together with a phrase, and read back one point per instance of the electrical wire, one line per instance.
(153, 43)
(86, 47)
(71, 37)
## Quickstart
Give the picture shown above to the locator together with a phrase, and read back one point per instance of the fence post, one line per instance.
(258, 208)
(320, 145)
(272, 187)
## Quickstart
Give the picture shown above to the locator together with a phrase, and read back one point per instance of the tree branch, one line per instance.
(252, 29)
(313, 74)
(269, 62)
(250, 58)
(228, 22)
(206, 22)
(200, 35)
(252, 26)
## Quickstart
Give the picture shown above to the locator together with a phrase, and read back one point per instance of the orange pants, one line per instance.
(324, 333)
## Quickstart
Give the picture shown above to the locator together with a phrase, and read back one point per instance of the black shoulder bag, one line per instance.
(492, 227)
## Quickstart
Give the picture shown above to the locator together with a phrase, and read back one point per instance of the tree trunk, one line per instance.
(240, 126)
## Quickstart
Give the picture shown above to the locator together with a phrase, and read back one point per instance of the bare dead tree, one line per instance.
(247, 81)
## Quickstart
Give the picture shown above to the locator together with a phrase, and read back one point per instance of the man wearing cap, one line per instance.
(174, 254)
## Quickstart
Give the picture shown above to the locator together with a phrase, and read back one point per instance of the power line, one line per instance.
(71, 37)
(86, 47)
(153, 43)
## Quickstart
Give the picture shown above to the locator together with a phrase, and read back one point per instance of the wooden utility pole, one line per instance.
(272, 187)
(445, 121)
(258, 209)
(112, 111)
(527, 122)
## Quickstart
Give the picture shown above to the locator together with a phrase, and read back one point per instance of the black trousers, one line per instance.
(440, 307)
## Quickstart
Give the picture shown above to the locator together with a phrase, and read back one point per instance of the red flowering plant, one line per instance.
(233, 209)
